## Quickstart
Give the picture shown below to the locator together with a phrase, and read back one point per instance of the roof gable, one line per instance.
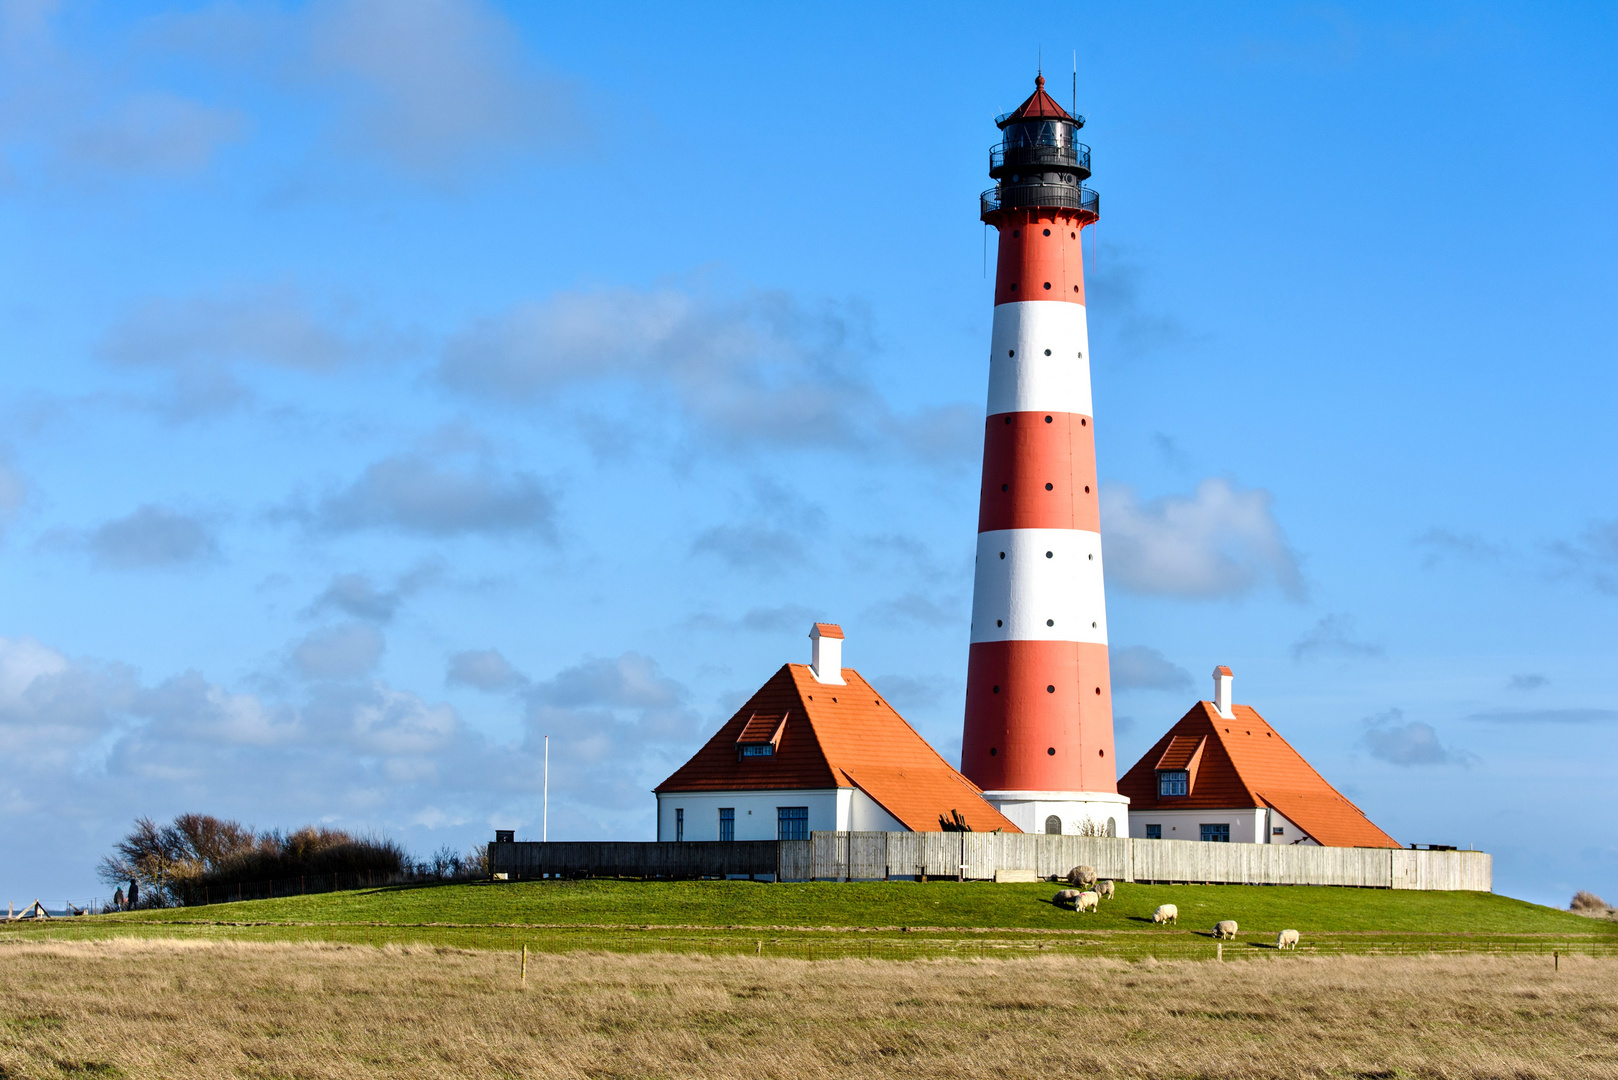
(837, 736)
(1246, 763)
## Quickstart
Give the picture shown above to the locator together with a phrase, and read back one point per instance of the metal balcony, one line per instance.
(1041, 196)
(1039, 158)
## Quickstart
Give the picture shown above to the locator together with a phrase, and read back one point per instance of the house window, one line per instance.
(1154, 832)
(792, 822)
(1053, 826)
(1174, 782)
(758, 750)
(1277, 831)
(1217, 834)
(727, 823)
(679, 824)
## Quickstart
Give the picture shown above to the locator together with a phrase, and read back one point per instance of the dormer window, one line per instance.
(1173, 782)
(760, 735)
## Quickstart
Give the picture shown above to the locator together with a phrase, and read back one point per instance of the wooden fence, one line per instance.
(705, 858)
(864, 856)
(874, 856)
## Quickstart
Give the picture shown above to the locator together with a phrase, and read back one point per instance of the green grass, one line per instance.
(873, 918)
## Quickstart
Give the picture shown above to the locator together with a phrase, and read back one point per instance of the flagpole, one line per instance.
(545, 819)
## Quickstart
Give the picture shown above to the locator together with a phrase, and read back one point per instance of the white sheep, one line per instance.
(1066, 896)
(1286, 938)
(1105, 890)
(1087, 901)
(1225, 928)
(1166, 913)
(1082, 876)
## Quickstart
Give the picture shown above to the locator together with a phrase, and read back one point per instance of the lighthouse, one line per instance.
(1038, 729)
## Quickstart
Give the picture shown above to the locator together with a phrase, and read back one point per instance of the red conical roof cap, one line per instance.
(1039, 106)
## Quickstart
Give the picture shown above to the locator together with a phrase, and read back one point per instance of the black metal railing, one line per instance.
(1057, 196)
(1075, 156)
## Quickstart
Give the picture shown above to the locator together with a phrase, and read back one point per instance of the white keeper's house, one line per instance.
(816, 748)
(1224, 774)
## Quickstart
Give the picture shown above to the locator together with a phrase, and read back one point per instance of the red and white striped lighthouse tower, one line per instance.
(1038, 735)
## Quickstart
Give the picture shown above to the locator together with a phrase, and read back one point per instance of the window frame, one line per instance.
(1220, 831)
(727, 823)
(679, 824)
(1154, 831)
(791, 820)
(1167, 777)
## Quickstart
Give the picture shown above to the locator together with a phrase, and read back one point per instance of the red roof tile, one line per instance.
(1246, 763)
(838, 736)
(829, 629)
(1181, 749)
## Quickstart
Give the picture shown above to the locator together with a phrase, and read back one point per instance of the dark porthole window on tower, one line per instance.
(1047, 352)
(1002, 554)
(1051, 750)
(1050, 689)
(1047, 284)
(1047, 419)
(999, 622)
(1050, 487)
(997, 689)
(993, 751)
(1016, 232)
(1047, 232)
(1076, 289)
(1072, 236)
(1007, 487)
(1050, 622)
(1050, 554)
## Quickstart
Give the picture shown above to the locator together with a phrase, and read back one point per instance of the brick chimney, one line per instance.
(1221, 699)
(827, 659)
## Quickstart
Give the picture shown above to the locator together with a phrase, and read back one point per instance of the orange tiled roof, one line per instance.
(838, 736)
(1246, 763)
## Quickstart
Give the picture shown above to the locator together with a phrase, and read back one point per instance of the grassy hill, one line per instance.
(876, 918)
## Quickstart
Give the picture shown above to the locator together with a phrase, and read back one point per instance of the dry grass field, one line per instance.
(156, 1008)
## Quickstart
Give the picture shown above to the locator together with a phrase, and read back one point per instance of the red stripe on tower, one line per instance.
(1038, 733)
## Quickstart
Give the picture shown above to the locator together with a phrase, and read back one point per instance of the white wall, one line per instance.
(755, 811)
(1028, 809)
(1248, 825)
(867, 815)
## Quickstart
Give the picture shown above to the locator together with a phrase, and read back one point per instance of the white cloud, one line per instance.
(13, 494)
(415, 494)
(1334, 636)
(763, 369)
(1219, 541)
(339, 652)
(1413, 743)
(1139, 667)
(152, 537)
(484, 669)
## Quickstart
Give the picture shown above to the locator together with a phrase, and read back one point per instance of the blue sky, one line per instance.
(389, 386)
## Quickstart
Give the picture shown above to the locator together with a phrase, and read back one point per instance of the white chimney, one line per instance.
(1222, 678)
(827, 661)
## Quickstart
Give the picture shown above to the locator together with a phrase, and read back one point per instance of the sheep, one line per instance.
(1166, 913)
(1225, 928)
(1104, 888)
(1286, 938)
(1082, 876)
(1087, 901)
(1066, 896)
